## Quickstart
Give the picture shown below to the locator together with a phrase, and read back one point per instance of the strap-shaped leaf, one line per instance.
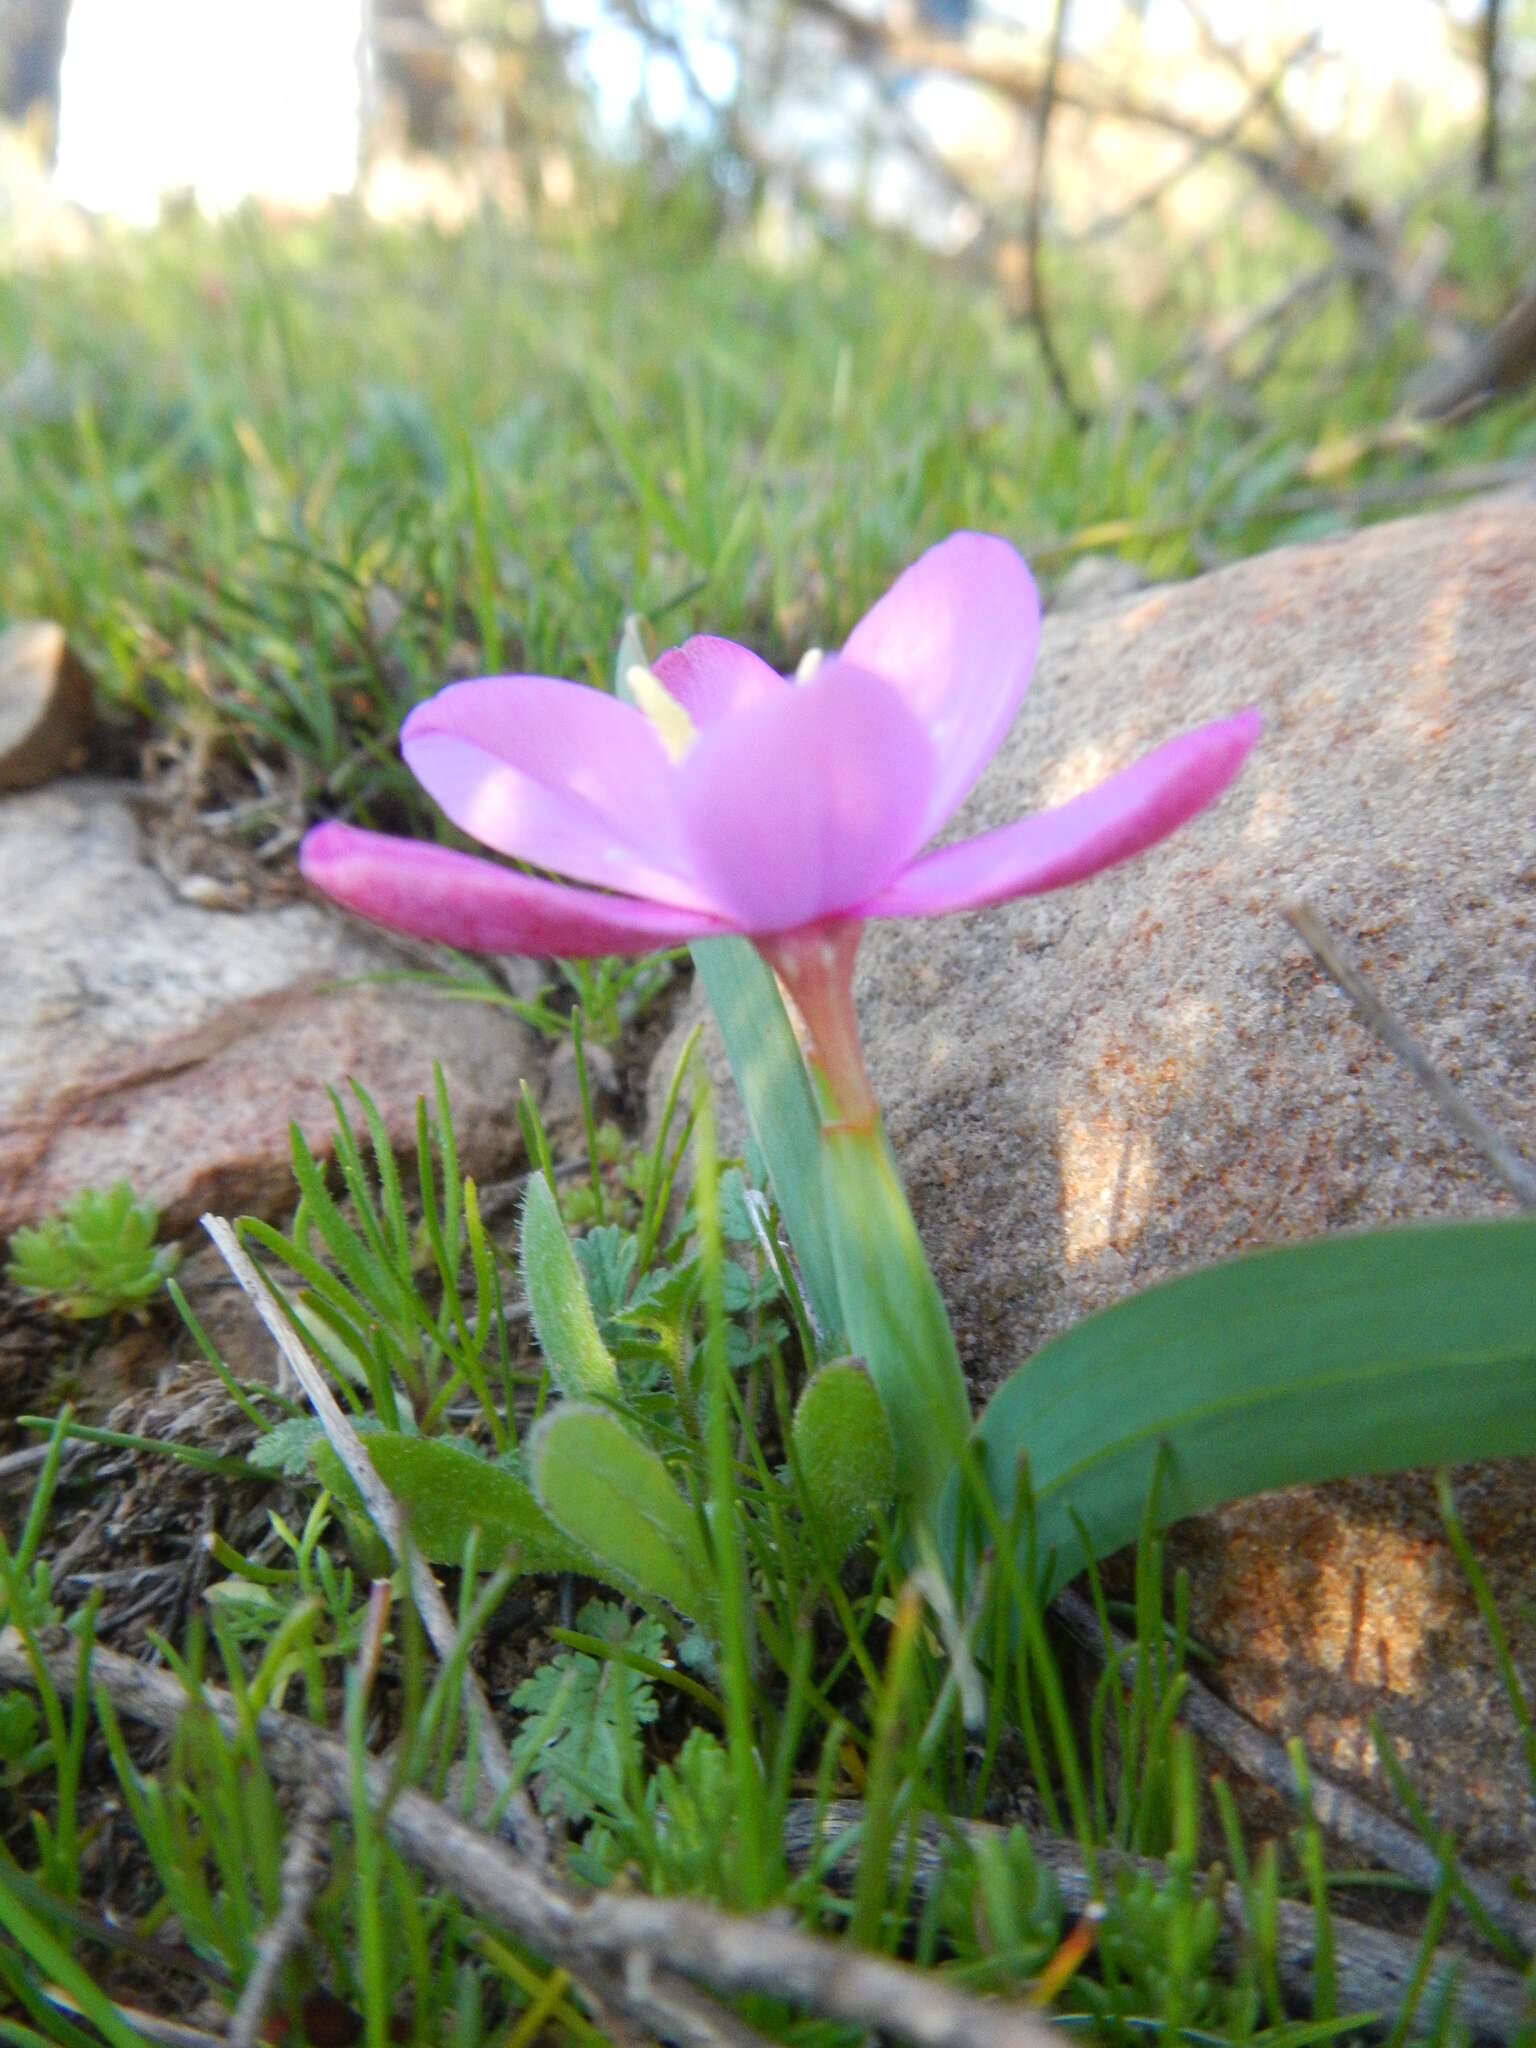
(1352, 1354)
(613, 1496)
(893, 1312)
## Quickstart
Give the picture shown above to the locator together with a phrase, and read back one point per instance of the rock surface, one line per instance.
(1094, 1090)
(46, 705)
(144, 1037)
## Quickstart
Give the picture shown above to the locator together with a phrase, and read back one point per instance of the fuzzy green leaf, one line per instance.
(445, 1491)
(563, 1322)
(1372, 1353)
(846, 1453)
(612, 1495)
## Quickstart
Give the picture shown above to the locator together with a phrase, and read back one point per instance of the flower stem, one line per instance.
(893, 1313)
(816, 966)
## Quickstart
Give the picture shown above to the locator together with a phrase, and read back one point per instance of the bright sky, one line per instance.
(233, 97)
(227, 97)
(1393, 39)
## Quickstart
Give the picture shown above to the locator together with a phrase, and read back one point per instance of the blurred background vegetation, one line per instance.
(352, 345)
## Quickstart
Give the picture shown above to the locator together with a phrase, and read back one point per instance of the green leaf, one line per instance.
(845, 1452)
(583, 1714)
(607, 1257)
(445, 1491)
(894, 1313)
(562, 1314)
(735, 1217)
(1372, 1353)
(693, 1804)
(612, 1495)
(284, 1450)
(96, 1256)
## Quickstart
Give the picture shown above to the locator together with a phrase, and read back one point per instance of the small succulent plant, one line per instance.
(95, 1257)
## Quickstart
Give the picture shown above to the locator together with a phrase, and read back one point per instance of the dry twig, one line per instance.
(1347, 1817)
(1499, 1155)
(304, 1864)
(1374, 1969)
(1038, 314)
(670, 2007)
(642, 1942)
(151, 2026)
(390, 1523)
(1019, 79)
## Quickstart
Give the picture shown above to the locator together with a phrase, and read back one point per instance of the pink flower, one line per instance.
(752, 803)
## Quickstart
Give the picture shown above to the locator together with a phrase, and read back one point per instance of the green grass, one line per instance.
(678, 1753)
(241, 434)
(279, 486)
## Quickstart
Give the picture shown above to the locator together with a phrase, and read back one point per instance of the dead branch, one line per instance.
(1039, 315)
(1495, 365)
(1342, 1813)
(390, 1523)
(1497, 1153)
(1375, 1969)
(1021, 80)
(641, 1941)
(304, 1868)
(1263, 94)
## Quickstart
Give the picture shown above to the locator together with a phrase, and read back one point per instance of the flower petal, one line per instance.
(713, 678)
(458, 900)
(1130, 812)
(807, 801)
(956, 634)
(556, 774)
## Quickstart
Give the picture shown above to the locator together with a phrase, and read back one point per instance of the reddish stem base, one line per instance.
(815, 964)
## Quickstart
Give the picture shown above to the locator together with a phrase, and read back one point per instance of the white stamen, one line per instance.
(675, 729)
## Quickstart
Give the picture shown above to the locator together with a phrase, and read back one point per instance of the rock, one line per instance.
(145, 1038)
(562, 1110)
(1094, 1090)
(1094, 581)
(46, 709)
(226, 1318)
